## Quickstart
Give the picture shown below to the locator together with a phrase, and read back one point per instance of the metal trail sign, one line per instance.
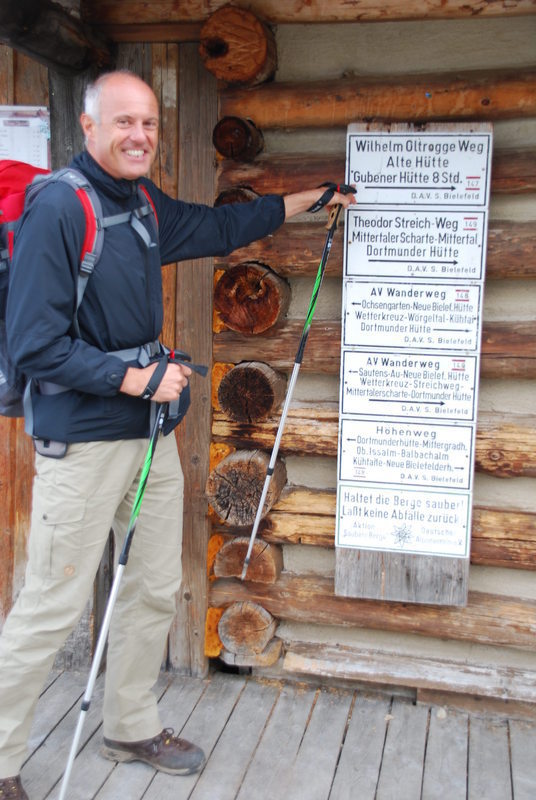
(414, 267)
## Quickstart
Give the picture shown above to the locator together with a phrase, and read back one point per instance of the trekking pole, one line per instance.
(123, 558)
(331, 226)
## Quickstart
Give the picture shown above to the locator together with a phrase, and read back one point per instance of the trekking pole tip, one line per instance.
(244, 569)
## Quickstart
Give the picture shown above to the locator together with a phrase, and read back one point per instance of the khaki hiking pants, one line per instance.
(76, 500)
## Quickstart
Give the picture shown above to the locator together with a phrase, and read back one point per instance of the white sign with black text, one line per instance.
(414, 267)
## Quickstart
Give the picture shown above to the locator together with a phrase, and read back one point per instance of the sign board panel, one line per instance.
(411, 386)
(25, 134)
(409, 522)
(414, 266)
(396, 243)
(435, 169)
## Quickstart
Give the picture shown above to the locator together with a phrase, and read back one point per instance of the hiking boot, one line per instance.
(11, 789)
(165, 752)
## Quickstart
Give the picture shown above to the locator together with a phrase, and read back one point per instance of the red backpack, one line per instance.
(20, 184)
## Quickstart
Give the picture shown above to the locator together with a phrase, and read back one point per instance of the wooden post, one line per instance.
(194, 334)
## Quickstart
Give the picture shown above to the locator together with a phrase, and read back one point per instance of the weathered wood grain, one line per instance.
(487, 618)
(307, 516)
(512, 172)
(406, 577)
(235, 485)
(388, 668)
(193, 331)
(508, 348)
(238, 47)
(265, 565)
(246, 627)
(505, 445)
(294, 250)
(325, 104)
(274, 11)
(164, 80)
(250, 391)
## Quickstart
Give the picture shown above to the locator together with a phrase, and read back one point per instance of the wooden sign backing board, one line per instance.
(414, 266)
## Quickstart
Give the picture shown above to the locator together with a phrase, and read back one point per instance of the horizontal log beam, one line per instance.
(153, 32)
(378, 667)
(48, 33)
(296, 11)
(419, 98)
(294, 250)
(504, 447)
(512, 172)
(307, 517)
(487, 618)
(508, 348)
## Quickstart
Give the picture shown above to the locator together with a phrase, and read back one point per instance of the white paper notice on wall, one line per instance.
(25, 134)
(414, 269)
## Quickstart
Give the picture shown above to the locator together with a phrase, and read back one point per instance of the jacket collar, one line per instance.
(117, 188)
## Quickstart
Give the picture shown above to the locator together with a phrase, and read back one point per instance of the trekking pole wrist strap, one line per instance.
(331, 188)
(155, 380)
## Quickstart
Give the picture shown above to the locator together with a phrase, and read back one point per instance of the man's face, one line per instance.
(124, 140)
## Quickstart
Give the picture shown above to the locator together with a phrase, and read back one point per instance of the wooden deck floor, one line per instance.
(277, 740)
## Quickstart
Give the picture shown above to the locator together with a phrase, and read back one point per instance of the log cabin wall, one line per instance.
(487, 648)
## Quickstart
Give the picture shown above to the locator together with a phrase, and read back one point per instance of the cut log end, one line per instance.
(251, 298)
(238, 48)
(265, 564)
(269, 656)
(234, 487)
(237, 138)
(251, 391)
(246, 628)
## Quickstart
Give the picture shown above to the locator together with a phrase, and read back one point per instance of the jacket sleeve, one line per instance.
(189, 230)
(42, 299)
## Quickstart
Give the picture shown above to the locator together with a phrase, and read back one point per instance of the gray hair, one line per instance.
(93, 91)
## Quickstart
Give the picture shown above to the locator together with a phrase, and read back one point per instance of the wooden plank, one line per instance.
(523, 758)
(401, 576)
(204, 727)
(489, 761)
(235, 748)
(361, 757)
(177, 703)
(512, 172)
(392, 669)
(274, 11)
(194, 321)
(45, 767)
(160, 32)
(326, 104)
(320, 748)
(403, 754)
(505, 446)
(508, 348)
(487, 618)
(164, 81)
(54, 703)
(294, 250)
(279, 744)
(445, 765)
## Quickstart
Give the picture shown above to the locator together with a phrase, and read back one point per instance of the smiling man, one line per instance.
(95, 375)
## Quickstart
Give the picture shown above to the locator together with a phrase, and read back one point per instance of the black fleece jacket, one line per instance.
(122, 305)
